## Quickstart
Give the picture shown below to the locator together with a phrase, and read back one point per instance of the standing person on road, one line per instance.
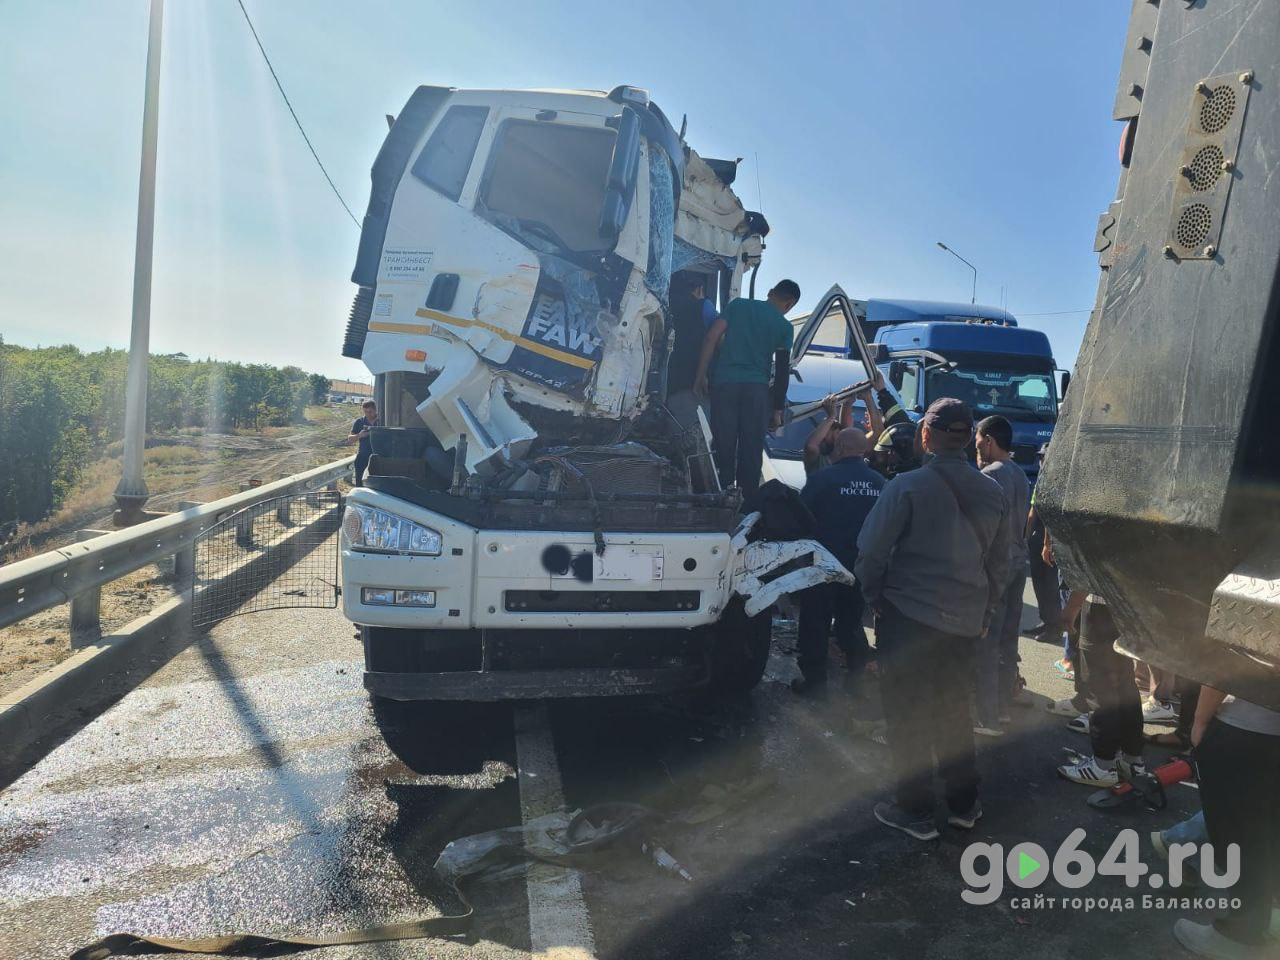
(1238, 752)
(360, 435)
(840, 497)
(756, 338)
(998, 652)
(1044, 576)
(933, 562)
(1115, 721)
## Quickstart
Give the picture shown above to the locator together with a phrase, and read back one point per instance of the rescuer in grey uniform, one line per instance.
(933, 562)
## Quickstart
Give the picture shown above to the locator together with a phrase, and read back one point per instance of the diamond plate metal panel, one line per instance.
(1245, 612)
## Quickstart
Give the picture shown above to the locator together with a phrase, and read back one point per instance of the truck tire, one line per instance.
(740, 651)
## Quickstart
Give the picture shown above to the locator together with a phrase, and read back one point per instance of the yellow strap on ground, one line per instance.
(129, 944)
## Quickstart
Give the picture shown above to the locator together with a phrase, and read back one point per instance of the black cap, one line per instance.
(950, 415)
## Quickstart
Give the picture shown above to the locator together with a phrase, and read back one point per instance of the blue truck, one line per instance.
(926, 350)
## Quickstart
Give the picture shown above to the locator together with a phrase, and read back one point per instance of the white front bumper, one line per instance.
(480, 572)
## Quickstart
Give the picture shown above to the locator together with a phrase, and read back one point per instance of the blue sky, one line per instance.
(880, 128)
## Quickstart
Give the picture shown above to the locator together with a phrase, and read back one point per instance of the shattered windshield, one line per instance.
(548, 180)
(1018, 395)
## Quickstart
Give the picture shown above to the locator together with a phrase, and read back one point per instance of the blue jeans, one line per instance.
(1191, 830)
(997, 657)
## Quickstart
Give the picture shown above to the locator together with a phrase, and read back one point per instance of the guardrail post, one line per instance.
(244, 523)
(86, 606)
(184, 561)
(282, 508)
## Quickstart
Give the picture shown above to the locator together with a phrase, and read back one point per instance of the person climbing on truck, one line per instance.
(754, 334)
(692, 314)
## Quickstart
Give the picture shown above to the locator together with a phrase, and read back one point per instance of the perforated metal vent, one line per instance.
(1219, 104)
(1194, 225)
(1206, 167)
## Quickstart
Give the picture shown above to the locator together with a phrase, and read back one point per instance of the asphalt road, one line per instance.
(247, 787)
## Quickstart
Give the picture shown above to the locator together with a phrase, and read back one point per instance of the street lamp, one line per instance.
(974, 298)
(131, 493)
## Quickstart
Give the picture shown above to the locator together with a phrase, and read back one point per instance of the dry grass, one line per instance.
(187, 464)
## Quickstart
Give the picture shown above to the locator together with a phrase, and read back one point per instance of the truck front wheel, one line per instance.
(740, 651)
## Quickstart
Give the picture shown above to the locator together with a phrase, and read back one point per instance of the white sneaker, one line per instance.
(988, 731)
(1158, 845)
(1205, 941)
(1088, 772)
(1157, 711)
(1080, 724)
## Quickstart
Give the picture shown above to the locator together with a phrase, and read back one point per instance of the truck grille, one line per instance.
(621, 468)
(600, 601)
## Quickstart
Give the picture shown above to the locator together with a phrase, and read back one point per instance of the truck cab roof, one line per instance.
(907, 311)
(960, 338)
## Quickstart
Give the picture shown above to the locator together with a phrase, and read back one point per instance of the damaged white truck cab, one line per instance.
(535, 521)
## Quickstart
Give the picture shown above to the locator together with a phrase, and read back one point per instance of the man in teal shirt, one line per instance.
(756, 339)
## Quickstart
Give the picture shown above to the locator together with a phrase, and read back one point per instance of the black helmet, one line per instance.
(899, 438)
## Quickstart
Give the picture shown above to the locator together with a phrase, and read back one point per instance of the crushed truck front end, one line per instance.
(485, 599)
(497, 612)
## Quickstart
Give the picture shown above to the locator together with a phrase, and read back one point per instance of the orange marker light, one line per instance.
(415, 355)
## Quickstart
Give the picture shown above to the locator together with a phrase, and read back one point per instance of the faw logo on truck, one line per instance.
(549, 322)
(559, 345)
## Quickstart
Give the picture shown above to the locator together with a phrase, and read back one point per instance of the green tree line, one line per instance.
(60, 408)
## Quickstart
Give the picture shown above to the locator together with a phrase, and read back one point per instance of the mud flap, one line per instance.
(764, 570)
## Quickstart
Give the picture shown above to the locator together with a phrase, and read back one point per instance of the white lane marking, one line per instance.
(559, 925)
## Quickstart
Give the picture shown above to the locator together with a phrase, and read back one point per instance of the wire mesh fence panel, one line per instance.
(273, 555)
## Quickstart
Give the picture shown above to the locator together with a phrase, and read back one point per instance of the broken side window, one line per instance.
(549, 179)
(445, 160)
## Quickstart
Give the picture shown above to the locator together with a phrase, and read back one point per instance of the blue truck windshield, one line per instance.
(1017, 395)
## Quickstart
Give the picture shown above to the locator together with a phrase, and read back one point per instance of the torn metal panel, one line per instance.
(764, 570)
(711, 215)
(467, 398)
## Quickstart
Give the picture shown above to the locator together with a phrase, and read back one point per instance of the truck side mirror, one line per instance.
(897, 370)
(1066, 382)
(620, 186)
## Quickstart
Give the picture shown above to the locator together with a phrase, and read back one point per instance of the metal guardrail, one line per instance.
(80, 570)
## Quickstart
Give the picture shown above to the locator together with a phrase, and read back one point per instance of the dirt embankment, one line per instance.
(185, 466)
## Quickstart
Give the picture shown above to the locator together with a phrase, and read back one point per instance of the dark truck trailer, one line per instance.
(1162, 486)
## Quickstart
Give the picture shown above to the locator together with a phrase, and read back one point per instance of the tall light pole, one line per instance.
(974, 298)
(131, 493)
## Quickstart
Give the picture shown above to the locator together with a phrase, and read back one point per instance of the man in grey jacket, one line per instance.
(933, 562)
(997, 668)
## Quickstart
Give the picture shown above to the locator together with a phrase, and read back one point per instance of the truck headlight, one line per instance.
(379, 531)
